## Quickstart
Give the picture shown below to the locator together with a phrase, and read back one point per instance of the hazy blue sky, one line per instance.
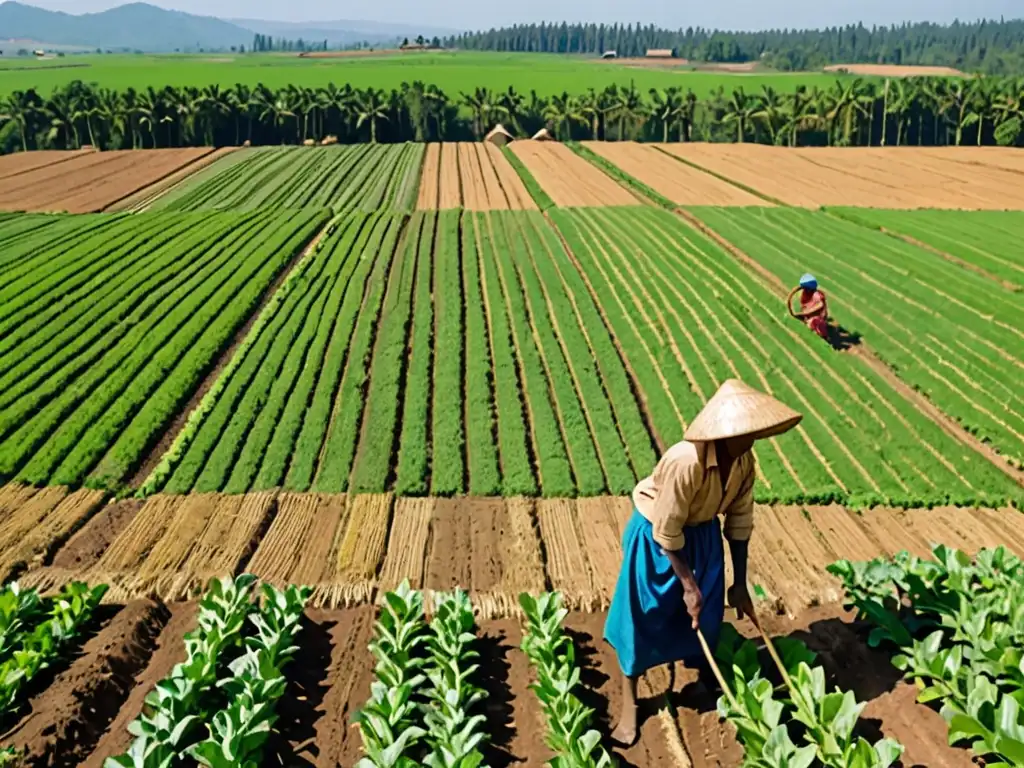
(730, 14)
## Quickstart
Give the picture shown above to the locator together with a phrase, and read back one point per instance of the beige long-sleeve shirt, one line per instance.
(686, 489)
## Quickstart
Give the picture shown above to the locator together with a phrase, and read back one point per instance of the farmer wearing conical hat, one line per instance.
(813, 306)
(672, 579)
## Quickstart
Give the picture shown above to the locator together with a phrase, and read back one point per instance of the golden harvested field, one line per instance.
(677, 181)
(569, 179)
(93, 181)
(24, 162)
(471, 175)
(350, 548)
(900, 178)
(894, 70)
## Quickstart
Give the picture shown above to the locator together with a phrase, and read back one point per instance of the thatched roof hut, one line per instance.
(499, 136)
(543, 135)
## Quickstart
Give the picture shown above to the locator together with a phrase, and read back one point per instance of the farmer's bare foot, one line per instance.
(625, 732)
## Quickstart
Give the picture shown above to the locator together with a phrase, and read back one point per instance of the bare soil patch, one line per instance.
(568, 178)
(873, 177)
(169, 650)
(430, 178)
(24, 162)
(515, 191)
(449, 194)
(894, 70)
(145, 197)
(680, 183)
(92, 181)
(66, 718)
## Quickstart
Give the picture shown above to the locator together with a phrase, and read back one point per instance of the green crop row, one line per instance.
(989, 240)
(482, 433)
(551, 451)
(538, 265)
(540, 197)
(342, 438)
(951, 333)
(448, 432)
(413, 445)
(512, 413)
(136, 335)
(391, 350)
(243, 436)
(217, 706)
(956, 627)
(35, 632)
(595, 358)
(848, 448)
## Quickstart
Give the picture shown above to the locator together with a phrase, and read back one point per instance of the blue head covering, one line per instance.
(808, 282)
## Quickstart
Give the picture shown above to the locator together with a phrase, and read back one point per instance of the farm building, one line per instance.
(609, 55)
(660, 53)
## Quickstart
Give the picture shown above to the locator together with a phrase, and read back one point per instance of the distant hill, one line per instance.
(338, 33)
(136, 26)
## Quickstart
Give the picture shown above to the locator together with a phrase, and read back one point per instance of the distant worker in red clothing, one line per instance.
(813, 306)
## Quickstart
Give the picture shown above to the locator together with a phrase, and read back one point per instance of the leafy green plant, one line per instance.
(177, 708)
(827, 720)
(958, 626)
(67, 616)
(453, 732)
(238, 732)
(553, 657)
(388, 720)
(19, 610)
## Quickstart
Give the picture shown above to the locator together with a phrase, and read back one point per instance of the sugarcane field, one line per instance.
(342, 455)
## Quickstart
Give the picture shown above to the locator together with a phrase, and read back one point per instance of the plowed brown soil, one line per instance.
(449, 193)
(873, 177)
(568, 178)
(169, 649)
(680, 183)
(894, 70)
(65, 718)
(430, 178)
(79, 715)
(145, 197)
(23, 162)
(515, 191)
(94, 180)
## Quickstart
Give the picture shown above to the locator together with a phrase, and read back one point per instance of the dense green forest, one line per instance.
(853, 112)
(993, 47)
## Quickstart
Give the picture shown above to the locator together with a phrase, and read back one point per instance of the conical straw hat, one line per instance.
(737, 410)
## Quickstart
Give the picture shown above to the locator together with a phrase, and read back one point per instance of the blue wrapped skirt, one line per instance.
(647, 623)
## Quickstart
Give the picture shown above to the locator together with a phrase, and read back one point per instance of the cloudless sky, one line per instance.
(475, 14)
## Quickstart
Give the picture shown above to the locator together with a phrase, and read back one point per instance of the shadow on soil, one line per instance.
(494, 649)
(592, 682)
(293, 742)
(841, 339)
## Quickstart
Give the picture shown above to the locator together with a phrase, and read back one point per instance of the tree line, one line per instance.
(852, 112)
(268, 44)
(992, 47)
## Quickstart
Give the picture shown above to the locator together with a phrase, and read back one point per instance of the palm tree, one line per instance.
(771, 113)
(279, 109)
(213, 105)
(562, 111)
(685, 115)
(902, 96)
(16, 109)
(371, 107)
(665, 107)
(592, 108)
(484, 107)
(628, 107)
(61, 111)
(740, 109)
(438, 105)
(84, 105)
(111, 111)
(513, 107)
(241, 102)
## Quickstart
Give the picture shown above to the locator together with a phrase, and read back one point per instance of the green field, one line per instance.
(949, 332)
(453, 72)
